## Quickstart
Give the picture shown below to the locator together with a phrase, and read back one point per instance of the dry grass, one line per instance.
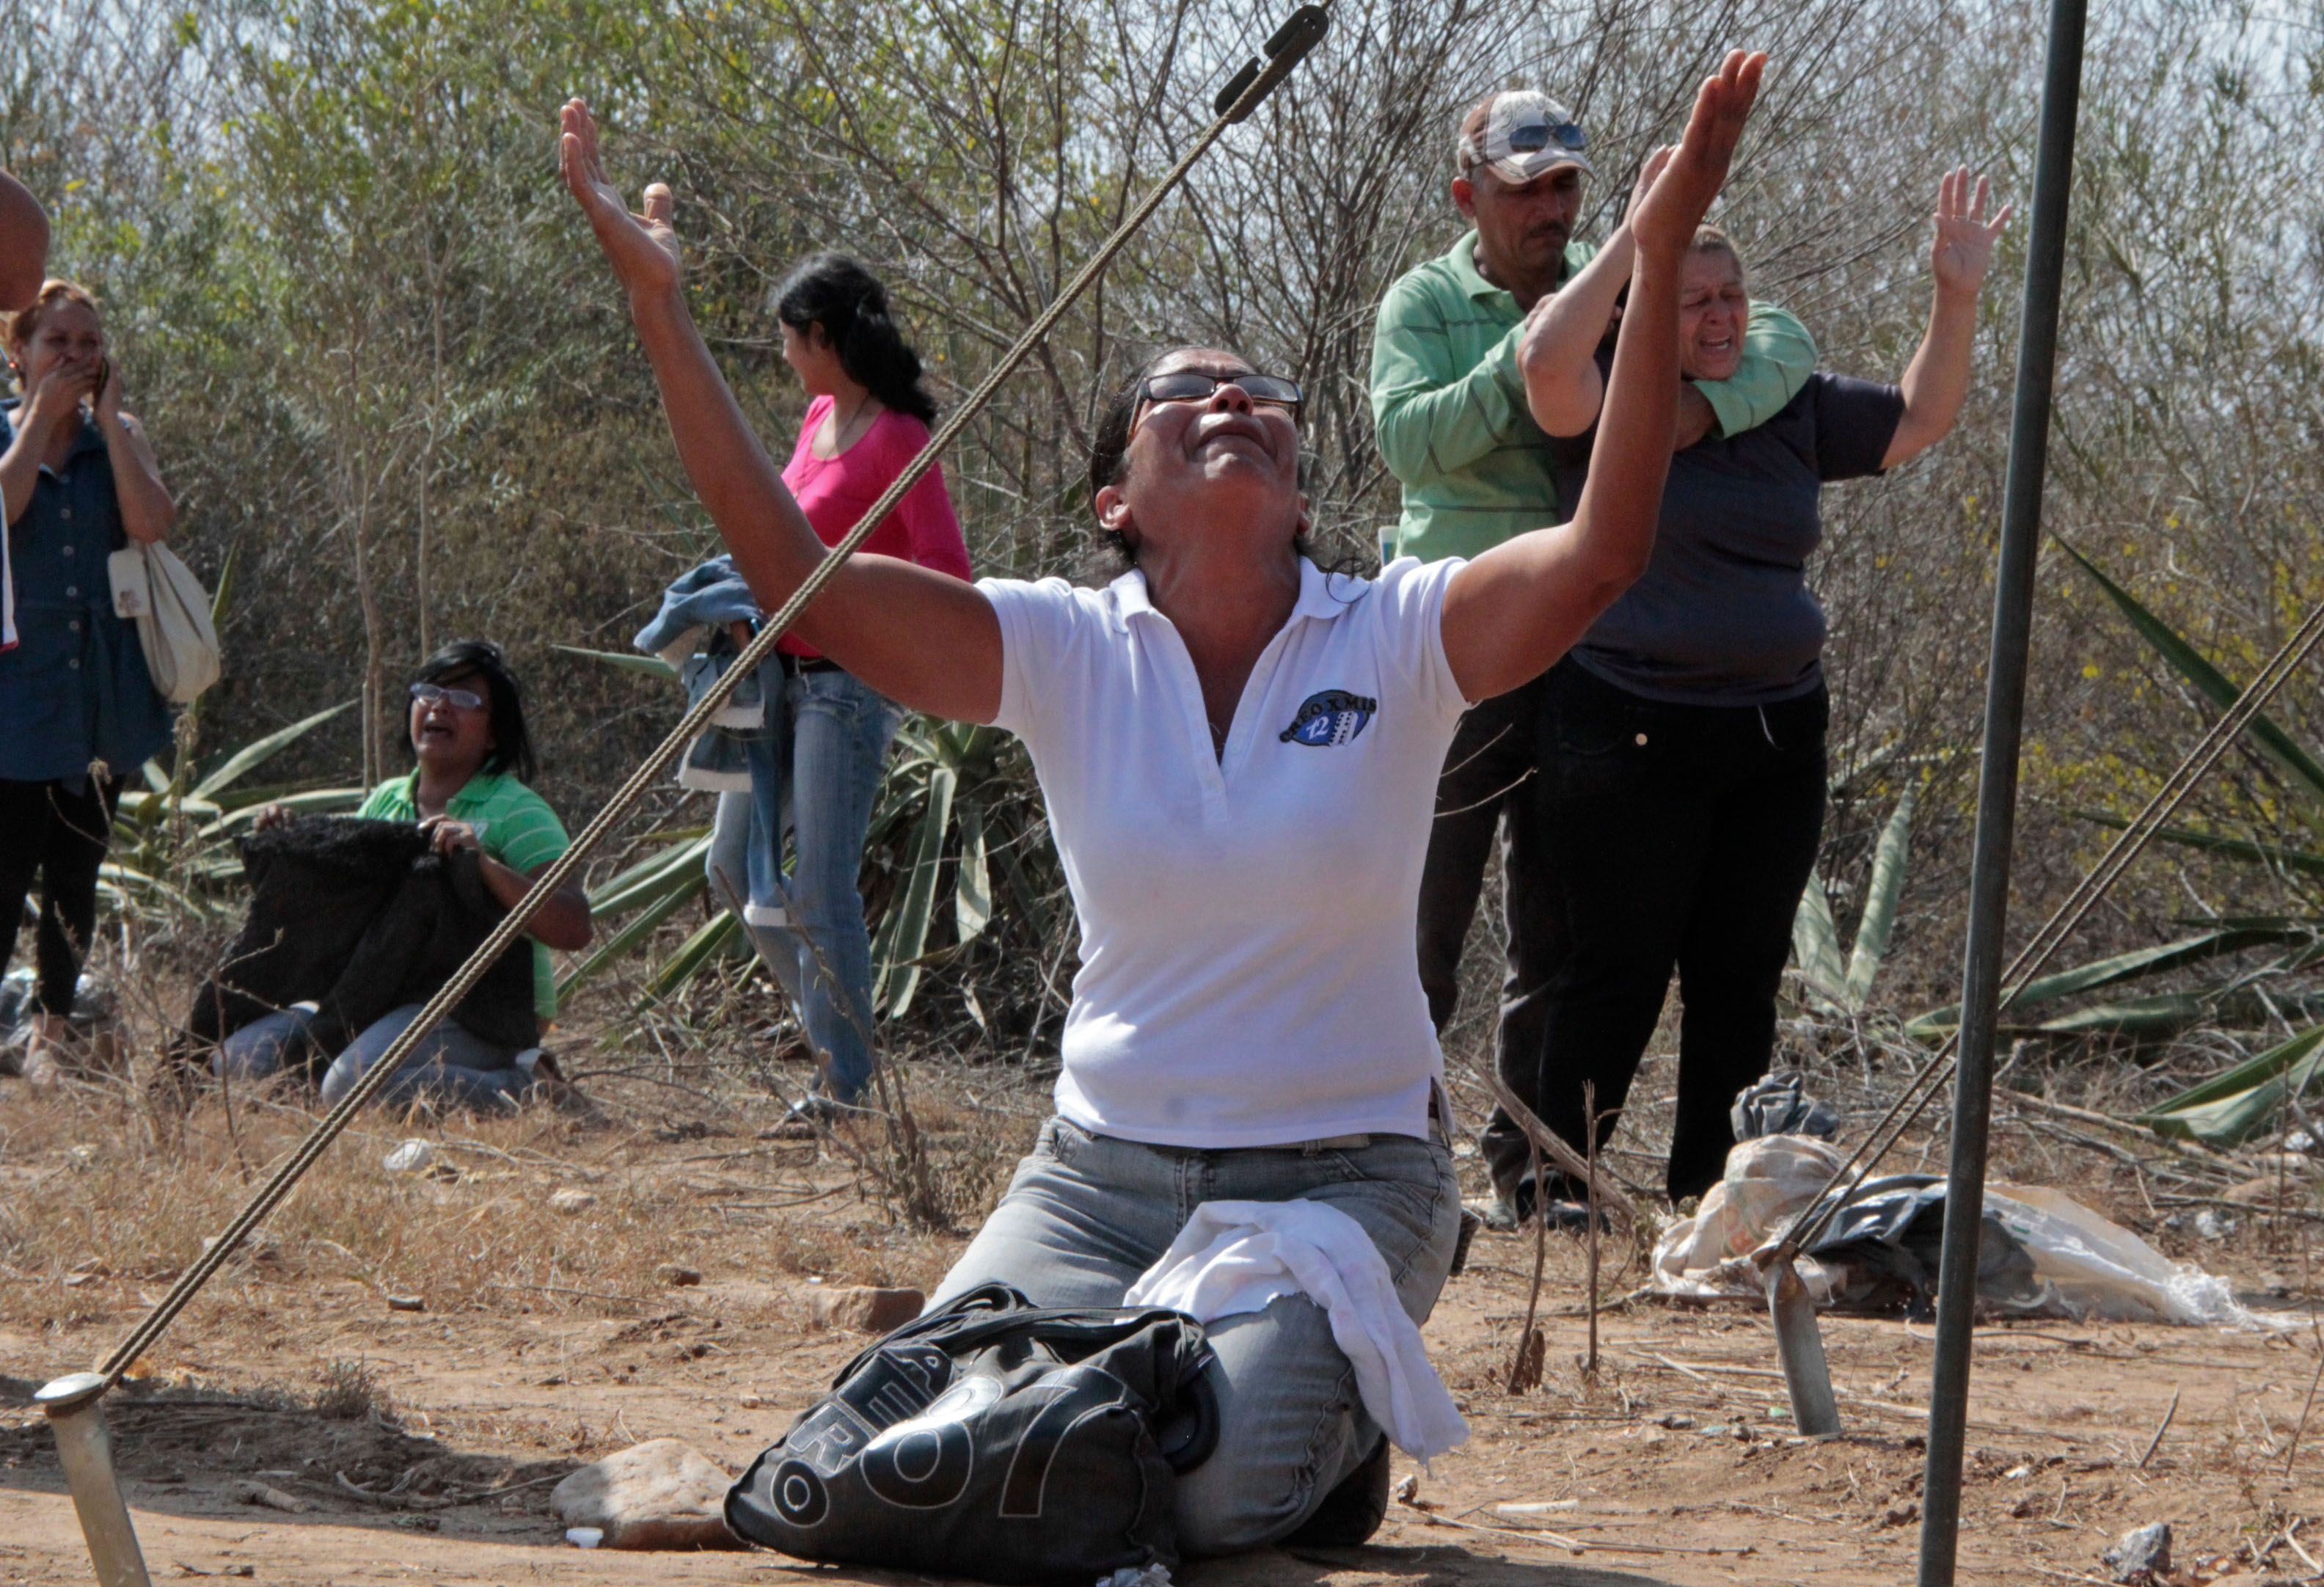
(105, 1197)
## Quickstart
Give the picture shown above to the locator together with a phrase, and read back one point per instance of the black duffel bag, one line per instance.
(995, 1439)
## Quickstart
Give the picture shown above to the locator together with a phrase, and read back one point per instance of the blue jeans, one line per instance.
(1087, 1213)
(831, 748)
(450, 1067)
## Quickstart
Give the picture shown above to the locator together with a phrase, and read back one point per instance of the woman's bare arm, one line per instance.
(1936, 383)
(922, 638)
(1513, 611)
(52, 404)
(147, 512)
(1558, 355)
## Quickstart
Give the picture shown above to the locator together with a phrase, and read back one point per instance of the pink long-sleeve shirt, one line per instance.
(835, 491)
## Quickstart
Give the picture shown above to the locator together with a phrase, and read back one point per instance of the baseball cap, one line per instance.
(1526, 133)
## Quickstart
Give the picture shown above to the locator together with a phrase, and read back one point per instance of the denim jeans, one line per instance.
(1674, 838)
(831, 748)
(452, 1065)
(1087, 1213)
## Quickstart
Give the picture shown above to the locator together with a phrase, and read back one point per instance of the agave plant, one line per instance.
(941, 785)
(2244, 1101)
(173, 846)
(1839, 987)
(171, 850)
(934, 809)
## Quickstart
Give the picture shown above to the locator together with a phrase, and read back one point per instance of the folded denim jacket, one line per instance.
(740, 751)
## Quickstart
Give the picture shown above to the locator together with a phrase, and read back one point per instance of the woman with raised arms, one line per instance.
(1239, 754)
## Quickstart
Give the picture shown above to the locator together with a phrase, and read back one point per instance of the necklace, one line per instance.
(841, 426)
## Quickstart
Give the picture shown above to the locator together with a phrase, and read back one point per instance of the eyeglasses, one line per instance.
(428, 693)
(1190, 385)
(1532, 138)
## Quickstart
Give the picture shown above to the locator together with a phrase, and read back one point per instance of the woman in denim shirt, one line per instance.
(78, 709)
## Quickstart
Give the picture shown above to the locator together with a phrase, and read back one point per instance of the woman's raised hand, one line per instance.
(1963, 250)
(1655, 161)
(56, 396)
(644, 249)
(1663, 221)
(107, 404)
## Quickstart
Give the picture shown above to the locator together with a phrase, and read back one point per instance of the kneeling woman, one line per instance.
(467, 791)
(1240, 757)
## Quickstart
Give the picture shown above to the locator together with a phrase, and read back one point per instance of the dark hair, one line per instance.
(835, 292)
(1110, 451)
(512, 748)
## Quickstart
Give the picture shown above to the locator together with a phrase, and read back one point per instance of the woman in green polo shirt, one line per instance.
(467, 789)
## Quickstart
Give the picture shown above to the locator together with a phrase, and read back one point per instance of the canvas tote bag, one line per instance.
(172, 613)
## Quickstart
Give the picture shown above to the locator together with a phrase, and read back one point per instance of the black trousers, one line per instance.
(48, 831)
(1637, 839)
(1478, 797)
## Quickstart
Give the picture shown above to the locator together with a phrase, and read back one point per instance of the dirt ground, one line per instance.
(553, 1327)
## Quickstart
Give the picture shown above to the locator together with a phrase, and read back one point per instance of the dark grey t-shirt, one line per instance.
(1724, 616)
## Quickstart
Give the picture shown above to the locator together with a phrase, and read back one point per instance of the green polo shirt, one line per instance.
(1449, 404)
(513, 824)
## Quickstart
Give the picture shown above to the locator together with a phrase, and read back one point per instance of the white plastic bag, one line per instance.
(2102, 1270)
(1768, 1179)
(2094, 1269)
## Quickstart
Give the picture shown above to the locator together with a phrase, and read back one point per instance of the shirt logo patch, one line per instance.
(1333, 716)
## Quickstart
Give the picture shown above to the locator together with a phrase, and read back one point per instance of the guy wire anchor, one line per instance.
(1807, 1376)
(74, 1405)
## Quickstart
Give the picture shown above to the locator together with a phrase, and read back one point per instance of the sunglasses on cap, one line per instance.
(1191, 385)
(429, 694)
(1531, 137)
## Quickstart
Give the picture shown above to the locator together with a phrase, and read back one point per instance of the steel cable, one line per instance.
(1253, 83)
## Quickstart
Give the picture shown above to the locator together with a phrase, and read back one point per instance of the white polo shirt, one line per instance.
(1249, 974)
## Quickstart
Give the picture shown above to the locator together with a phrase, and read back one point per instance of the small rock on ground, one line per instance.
(660, 1494)
(2141, 1555)
(865, 1309)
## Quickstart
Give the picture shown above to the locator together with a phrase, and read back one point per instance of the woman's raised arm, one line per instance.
(1558, 355)
(1936, 383)
(922, 638)
(1513, 611)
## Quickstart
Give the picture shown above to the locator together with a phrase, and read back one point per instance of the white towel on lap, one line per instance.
(1237, 1256)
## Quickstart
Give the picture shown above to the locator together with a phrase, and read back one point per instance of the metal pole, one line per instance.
(1996, 797)
(1807, 1375)
(76, 1411)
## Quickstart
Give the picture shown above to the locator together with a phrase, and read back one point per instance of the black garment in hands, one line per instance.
(359, 916)
(1674, 838)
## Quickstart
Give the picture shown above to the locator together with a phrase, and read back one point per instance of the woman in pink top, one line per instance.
(869, 419)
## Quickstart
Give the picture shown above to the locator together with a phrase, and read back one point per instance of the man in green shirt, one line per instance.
(1449, 407)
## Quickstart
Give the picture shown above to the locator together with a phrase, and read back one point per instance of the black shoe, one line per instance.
(1572, 1217)
(1352, 1512)
(1506, 1211)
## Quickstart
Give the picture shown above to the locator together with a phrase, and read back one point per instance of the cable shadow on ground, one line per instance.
(255, 1453)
